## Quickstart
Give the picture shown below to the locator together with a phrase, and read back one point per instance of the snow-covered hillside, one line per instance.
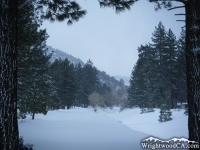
(83, 129)
(112, 82)
(58, 54)
(148, 122)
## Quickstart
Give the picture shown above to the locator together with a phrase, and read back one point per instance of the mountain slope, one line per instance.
(58, 54)
(112, 82)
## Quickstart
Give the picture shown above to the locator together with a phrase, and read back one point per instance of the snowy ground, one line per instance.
(83, 129)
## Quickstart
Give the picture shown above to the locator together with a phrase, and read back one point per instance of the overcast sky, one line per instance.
(111, 40)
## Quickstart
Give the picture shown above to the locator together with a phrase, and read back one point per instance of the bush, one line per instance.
(24, 147)
(95, 100)
(186, 111)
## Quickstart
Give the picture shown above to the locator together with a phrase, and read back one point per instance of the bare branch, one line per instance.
(181, 20)
(176, 7)
(182, 1)
(180, 14)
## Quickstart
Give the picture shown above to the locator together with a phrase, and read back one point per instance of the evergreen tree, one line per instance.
(79, 82)
(181, 70)
(34, 101)
(53, 101)
(151, 78)
(90, 81)
(160, 45)
(63, 74)
(170, 70)
(147, 55)
(67, 85)
(34, 83)
(155, 75)
(132, 94)
(165, 113)
(32, 64)
(141, 82)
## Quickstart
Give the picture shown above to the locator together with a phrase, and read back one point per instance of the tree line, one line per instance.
(70, 11)
(62, 85)
(43, 85)
(159, 75)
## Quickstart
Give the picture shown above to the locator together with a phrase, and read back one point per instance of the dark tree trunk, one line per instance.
(68, 106)
(192, 8)
(8, 75)
(33, 116)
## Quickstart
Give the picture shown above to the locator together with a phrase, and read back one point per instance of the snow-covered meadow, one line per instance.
(83, 129)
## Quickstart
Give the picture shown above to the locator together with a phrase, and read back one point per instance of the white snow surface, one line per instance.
(83, 129)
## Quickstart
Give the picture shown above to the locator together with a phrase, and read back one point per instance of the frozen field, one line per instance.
(83, 129)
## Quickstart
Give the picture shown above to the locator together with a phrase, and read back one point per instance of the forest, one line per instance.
(25, 66)
(159, 76)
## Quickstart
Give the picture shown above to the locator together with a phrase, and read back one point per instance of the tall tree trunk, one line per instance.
(8, 75)
(193, 67)
(33, 116)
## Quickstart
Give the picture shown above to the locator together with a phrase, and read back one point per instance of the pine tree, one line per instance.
(181, 70)
(90, 81)
(55, 74)
(151, 78)
(160, 45)
(53, 101)
(34, 83)
(34, 101)
(141, 83)
(131, 91)
(63, 74)
(165, 113)
(68, 86)
(170, 63)
(147, 54)
(154, 76)
(137, 95)
(79, 83)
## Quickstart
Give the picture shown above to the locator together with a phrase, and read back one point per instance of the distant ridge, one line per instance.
(58, 54)
(112, 82)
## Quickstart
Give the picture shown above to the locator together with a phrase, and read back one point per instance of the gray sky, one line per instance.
(111, 40)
